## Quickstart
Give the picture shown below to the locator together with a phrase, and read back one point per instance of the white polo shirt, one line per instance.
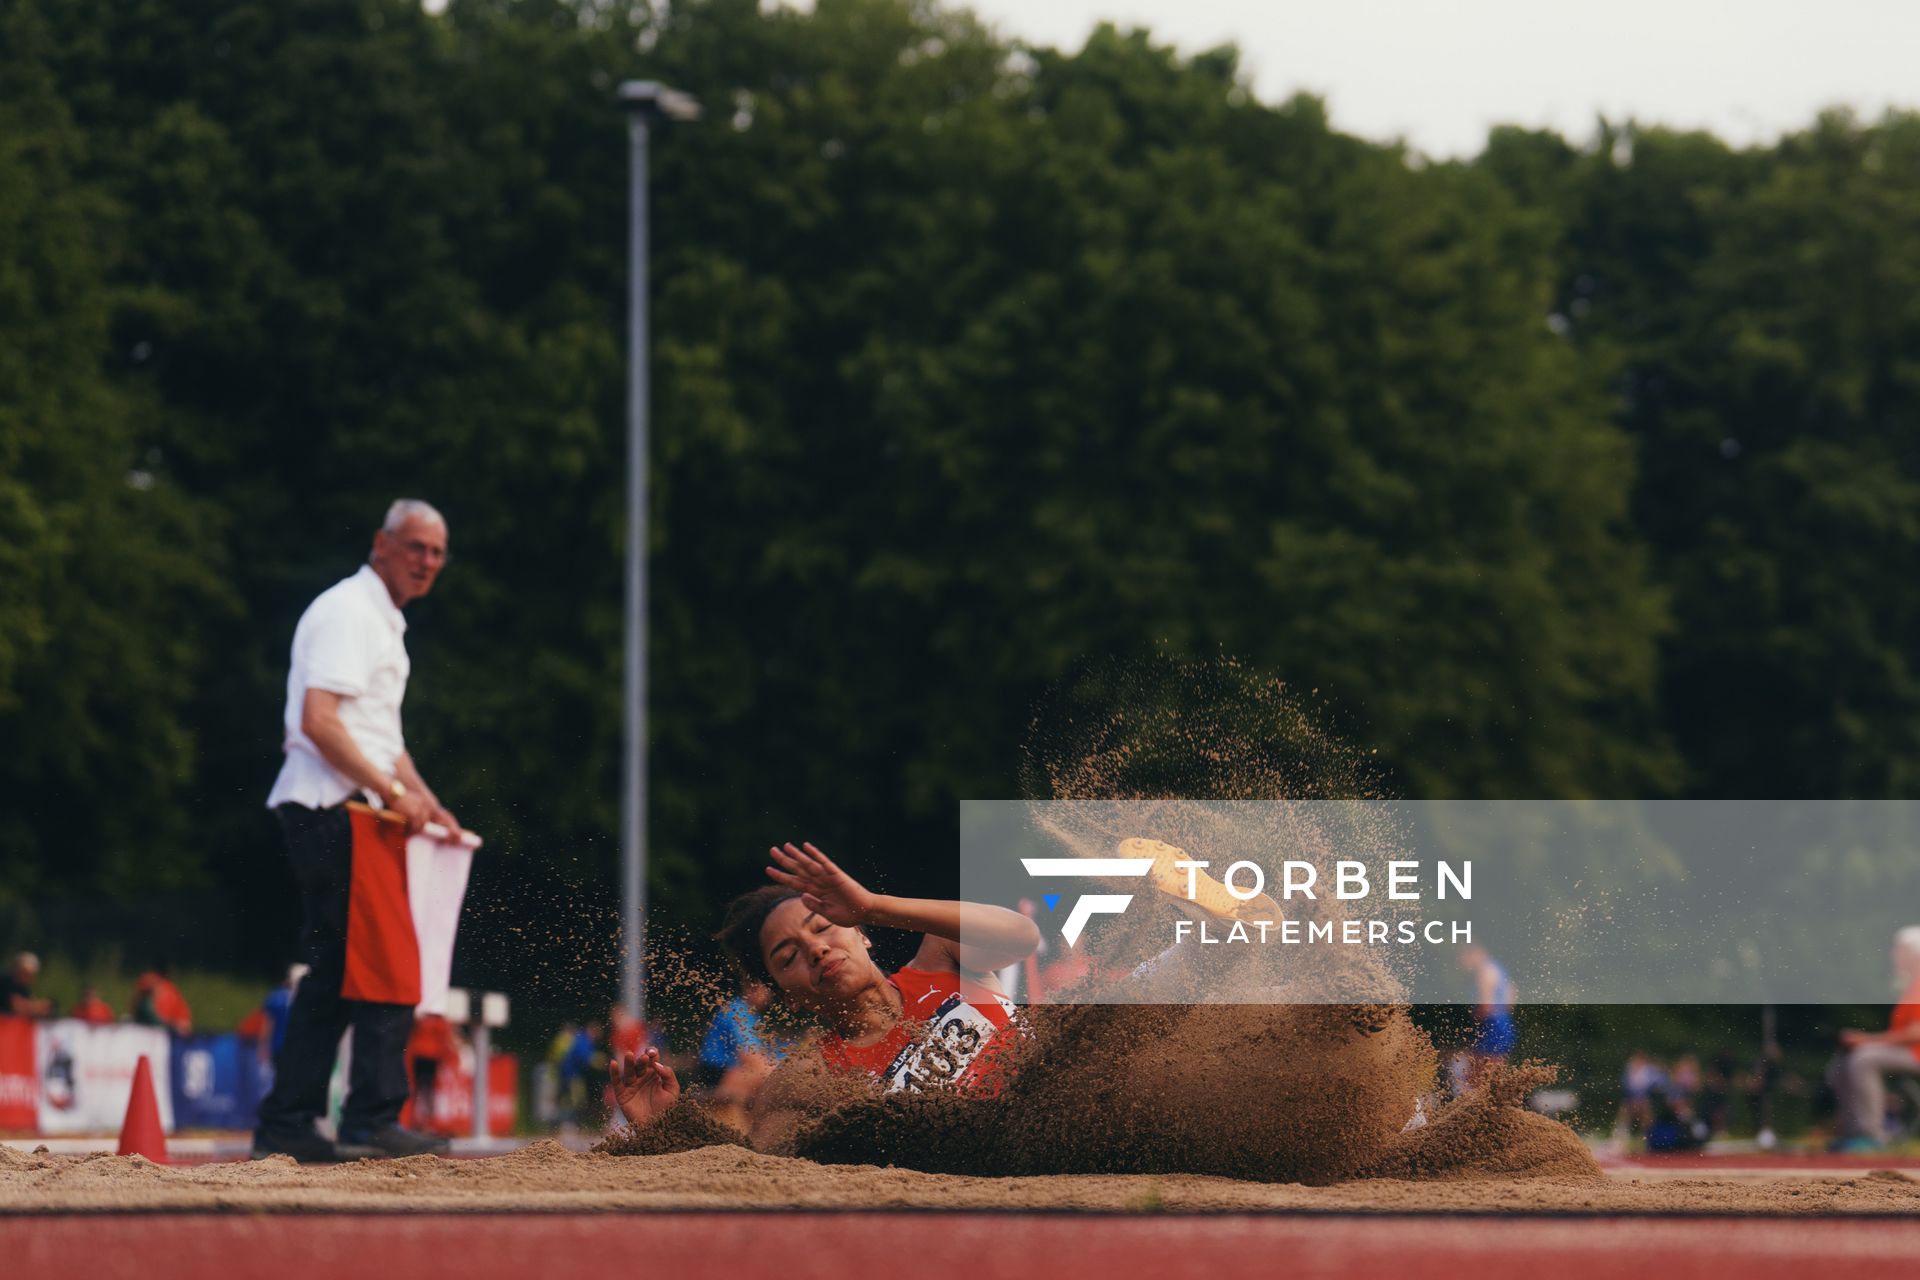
(350, 641)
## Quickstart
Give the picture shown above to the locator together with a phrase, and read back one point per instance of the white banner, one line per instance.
(86, 1075)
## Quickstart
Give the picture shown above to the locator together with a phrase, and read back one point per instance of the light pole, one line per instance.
(645, 101)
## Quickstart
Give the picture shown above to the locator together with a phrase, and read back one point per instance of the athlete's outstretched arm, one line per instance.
(994, 936)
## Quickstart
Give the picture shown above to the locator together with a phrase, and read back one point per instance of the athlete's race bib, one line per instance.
(955, 1035)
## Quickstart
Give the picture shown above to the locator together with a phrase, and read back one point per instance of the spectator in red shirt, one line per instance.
(626, 1034)
(1858, 1072)
(432, 1048)
(92, 1008)
(158, 1003)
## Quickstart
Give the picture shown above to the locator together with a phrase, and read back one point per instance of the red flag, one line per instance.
(383, 957)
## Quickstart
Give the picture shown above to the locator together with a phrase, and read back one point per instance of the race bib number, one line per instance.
(954, 1037)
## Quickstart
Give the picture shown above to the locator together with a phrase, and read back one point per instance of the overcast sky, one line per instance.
(1438, 74)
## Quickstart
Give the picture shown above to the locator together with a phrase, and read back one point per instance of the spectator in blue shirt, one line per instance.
(737, 1053)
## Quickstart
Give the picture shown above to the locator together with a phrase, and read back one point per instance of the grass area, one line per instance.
(218, 1000)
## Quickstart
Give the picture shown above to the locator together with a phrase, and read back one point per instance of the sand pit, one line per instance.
(1248, 1064)
(546, 1178)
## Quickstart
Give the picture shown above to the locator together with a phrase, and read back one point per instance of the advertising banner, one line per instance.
(19, 1075)
(86, 1075)
(215, 1082)
(452, 1104)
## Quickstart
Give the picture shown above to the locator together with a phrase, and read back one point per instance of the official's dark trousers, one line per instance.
(320, 846)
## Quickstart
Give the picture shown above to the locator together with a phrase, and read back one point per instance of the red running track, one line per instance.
(978, 1246)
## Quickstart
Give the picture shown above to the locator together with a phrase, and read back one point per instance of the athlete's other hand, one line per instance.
(824, 889)
(644, 1086)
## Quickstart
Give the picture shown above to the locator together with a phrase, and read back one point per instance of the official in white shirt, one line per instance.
(342, 739)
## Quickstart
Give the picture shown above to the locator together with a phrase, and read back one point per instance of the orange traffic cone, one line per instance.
(141, 1134)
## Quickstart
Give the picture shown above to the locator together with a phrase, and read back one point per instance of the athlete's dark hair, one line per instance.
(740, 930)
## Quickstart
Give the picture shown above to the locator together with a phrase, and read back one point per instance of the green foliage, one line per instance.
(101, 553)
(1759, 312)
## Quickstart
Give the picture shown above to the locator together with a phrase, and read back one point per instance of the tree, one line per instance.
(102, 558)
(1754, 310)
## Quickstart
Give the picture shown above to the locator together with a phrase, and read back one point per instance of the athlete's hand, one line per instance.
(644, 1087)
(824, 888)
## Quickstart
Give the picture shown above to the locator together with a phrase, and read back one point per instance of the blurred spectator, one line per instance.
(267, 1025)
(558, 1046)
(1638, 1083)
(1493, 999)
(16, 989)
(1459, 1073)
(557, 1049)
(1671, 1127)
(581, 1062)
(585, 1059)
(91, 1008)
(432, 1048)
(1677, 1123)
(1683, 1082)
(158, 1003)
(737, 1054)
(1858, 1072)
(1716, 1090)
(279, 1005)
(627, 1035)
(736, 1032)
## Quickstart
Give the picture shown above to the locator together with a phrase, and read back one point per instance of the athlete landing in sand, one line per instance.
(926, 1067)
(937, 1021)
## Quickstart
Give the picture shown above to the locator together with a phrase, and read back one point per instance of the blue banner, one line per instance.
(218, 1081)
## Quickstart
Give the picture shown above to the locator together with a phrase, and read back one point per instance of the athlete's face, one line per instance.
(815, 962)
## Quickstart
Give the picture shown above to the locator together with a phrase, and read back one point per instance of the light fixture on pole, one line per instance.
(645, 101)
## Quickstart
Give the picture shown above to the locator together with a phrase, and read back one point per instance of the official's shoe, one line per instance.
(307, 1146)
(390, 1141)
(1209, 894)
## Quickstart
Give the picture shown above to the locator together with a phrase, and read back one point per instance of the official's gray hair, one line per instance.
(405, 509)
(1908, 939)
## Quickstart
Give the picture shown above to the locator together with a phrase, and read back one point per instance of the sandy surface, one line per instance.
(545, 1177)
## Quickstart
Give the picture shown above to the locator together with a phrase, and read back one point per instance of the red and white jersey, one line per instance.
(949, 1034)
